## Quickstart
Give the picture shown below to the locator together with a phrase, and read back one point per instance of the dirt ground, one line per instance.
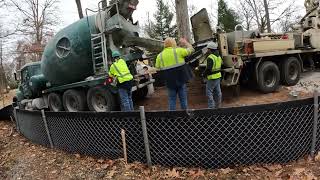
(20, 159)
(248, 96)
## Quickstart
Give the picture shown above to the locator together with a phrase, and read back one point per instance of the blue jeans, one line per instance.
(126, 99)
(183, 97)
(214, 93)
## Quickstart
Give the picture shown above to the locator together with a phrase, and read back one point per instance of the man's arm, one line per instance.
(111, 71)
(184, 43)
(208, 70)
(158, 62)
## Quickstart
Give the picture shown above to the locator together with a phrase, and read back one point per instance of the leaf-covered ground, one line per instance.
(20, 159)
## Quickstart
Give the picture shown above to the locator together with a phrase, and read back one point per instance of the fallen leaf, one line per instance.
(110, 162)
(198, 174)
(110, 174)
(317, 158)
(298, 171)
(100, 161)
(54, 172)
(172, 173)
(105, 166)
(226, 171)
(277, 174)
(245, 170)
(274, 167)
(77, 155)
(52, 161)
(310, 176)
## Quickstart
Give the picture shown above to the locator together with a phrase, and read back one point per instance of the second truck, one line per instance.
(262, 60)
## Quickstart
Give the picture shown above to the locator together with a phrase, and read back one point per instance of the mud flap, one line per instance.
(6, 113)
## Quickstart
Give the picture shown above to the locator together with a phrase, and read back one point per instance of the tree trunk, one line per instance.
(3, 78)
(183, 19)
(266, 7)
(79, 9)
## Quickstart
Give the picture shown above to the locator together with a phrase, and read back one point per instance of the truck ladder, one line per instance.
(99, 53)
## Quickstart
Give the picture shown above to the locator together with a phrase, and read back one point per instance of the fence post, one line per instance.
(145, 135)
(315, 123)
(17, 120)
(46, 126)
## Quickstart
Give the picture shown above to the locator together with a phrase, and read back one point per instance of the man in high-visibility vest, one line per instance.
(121, 72)
(175, 71)
(213, 75)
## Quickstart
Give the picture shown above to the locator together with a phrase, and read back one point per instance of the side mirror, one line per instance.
(15, 77)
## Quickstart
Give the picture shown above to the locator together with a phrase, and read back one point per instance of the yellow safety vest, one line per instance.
(217, 62)
(171, 58)
(120, 70)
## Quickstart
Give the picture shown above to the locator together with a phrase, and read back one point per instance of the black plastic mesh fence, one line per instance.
(237, 136)
(31, 125)
(97, 134)
(275, 133)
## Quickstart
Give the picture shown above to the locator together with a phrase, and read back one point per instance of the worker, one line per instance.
(175, 72)
(120, 71)
(213, 75)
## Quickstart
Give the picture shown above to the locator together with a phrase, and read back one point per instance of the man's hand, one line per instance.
(183, 42)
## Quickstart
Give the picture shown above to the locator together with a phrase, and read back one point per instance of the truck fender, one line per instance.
(301, 62)
(257, 68)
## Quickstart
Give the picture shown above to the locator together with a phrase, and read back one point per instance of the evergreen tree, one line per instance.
(162, 28)
(227, 18)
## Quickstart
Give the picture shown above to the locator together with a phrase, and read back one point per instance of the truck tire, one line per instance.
(290, 71)
(268, 77)
(74, 100)
(100, 99)
(55, 102)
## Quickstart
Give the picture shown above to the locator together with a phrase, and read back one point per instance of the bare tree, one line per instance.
(246, 14)
(182, 17)
(39, 17)
(266, 8)
(271, 11)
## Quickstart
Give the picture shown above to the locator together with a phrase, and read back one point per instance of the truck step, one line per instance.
(98, 54)
(99, 64)
(97, 47)
(97, 44)
(100, 57)
(95, 38)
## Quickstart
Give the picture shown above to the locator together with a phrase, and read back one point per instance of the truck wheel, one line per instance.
(100, 99)
(268, 77)
(74, 101)
(290, 71)
(55, 102)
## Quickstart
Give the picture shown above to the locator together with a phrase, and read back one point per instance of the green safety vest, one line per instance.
(217, 62)
(120, 70)
(171, 58)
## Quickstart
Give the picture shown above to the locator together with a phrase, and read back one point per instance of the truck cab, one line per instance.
(31, 84)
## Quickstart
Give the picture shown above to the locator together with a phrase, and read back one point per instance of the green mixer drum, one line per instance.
(67, 57)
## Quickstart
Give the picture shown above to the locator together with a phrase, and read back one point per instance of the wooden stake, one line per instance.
(124, 145)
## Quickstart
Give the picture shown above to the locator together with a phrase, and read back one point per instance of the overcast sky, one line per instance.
(70, 14)
(69, 9)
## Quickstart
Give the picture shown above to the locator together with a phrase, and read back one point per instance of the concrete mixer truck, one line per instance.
(73, 73)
